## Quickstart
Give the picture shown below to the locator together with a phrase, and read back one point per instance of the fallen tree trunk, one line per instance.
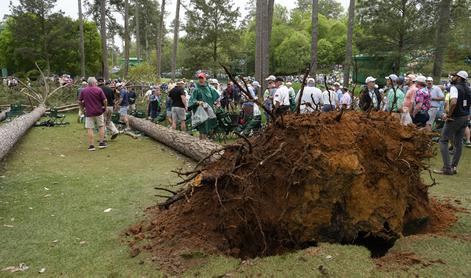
(11, 132)
(184, 143)
(3, 114)
(74, 105)
(68, 109)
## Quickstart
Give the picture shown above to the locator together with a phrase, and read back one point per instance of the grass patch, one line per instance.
(53, 194)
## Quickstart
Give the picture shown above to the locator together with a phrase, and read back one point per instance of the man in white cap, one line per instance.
(437, 97)
(395, 96)
(292, 96)
(420, 115)
(338, 93)
(329, 100)
(268, 95)
(370, 98)
(256, 86)
(409, 99)
(312, 98)
(281, 98)
(456, 122)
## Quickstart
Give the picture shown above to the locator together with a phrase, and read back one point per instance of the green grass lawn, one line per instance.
(53, 194)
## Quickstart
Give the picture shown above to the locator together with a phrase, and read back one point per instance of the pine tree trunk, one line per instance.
(267, 22)
(11, 132)
(443, 25)
(160, 38)
(176, 29)
(315, 10)
(258, 42)
(126, 38)
(104, 48)
(348, 48)
(82, 41)
(179, 141)
(138, 35)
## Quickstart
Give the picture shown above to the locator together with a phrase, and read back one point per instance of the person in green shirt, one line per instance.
(203, 93)
(292, 96)
(393, 85)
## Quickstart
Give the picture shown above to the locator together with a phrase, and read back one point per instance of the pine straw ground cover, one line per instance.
(53, 194)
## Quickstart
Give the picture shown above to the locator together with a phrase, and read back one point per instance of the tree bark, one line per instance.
(104, 48)
(11, 132)
(443, 25)
(138, 35)
(3, 114)
(82, 40)
(258, 42)
(176, 29)
(315, 10)
(348, 47)
(267, 22)
(126, 38)
(160, 38)
(184, 143)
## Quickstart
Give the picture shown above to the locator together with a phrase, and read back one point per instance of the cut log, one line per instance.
(11, 132)
(3, 114)
(184, 143)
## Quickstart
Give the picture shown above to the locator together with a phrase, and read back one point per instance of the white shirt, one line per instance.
(311, 95)
(332, 100)
(148, 93)
(282, 95)
(256, 110)
(346, 100)
(453, 92)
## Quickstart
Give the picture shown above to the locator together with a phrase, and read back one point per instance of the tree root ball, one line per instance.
(306, 179)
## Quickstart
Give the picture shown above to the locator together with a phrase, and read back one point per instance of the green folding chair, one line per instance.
(56, 117)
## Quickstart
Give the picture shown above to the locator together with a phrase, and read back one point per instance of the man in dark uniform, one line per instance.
(455, 123)
(110, 97)
(370, 97)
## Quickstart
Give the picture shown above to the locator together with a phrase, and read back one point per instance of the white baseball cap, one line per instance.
(429, 78)
(393, 77)
(370, 79)
(336, 84)
(311, 80)
(420, 79)
(271, 78)
(462, 74)
(255, 84)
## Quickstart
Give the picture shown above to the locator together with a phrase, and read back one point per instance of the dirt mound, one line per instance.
(404, 260)
(308, 179)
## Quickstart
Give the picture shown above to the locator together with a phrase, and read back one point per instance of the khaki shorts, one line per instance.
(178, 114)
(92, 122)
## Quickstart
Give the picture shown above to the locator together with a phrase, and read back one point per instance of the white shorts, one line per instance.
(123, 110)
(92, 122)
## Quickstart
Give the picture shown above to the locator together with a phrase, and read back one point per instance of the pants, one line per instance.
(328, 108)
(283, 109)
(108, 123)
(453, 130)
(432, 112)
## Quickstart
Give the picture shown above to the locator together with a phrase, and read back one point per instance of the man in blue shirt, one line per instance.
(123, 104)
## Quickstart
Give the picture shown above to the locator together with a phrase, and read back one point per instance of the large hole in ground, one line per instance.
(378, 246)
(250, 244)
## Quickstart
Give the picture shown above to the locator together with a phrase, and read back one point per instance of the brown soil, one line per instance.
(309, 179)
(443, 216)
(404, 260)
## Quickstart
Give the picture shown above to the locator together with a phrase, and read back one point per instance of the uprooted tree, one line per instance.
(306, 179)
